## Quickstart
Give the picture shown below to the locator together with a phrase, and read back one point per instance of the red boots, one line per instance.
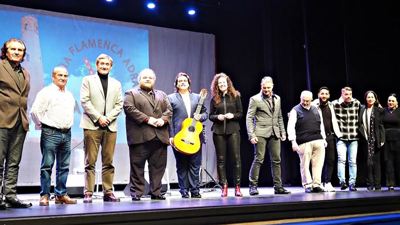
(237, 192)
(224, 190)
(224, 193)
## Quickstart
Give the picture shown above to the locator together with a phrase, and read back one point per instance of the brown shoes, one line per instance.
(110, 198)
(65, 200)
(88, 198)
(44, 200)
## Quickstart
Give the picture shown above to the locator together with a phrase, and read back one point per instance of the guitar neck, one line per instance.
(199, 105)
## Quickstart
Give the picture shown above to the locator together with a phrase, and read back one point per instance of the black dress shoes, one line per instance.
(196, 195)
(281, 191)
(16, 203)
(157, 197)
(136, 198)
(253, 191)
(317, 190)
(2, 205)
(308, 190)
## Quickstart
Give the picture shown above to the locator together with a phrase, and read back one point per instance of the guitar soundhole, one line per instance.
(191, 129)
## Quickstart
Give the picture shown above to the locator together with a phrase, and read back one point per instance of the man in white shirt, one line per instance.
(53, 111)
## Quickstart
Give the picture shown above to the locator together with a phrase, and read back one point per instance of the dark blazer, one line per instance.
(180, 114)
(13, 99)
(226, 105)
(378, 125)
(137, 107)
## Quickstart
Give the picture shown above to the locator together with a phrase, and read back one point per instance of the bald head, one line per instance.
(306, 98)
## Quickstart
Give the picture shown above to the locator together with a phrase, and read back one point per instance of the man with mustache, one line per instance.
(148, 113)
(332, 132)
(306, 132)
(101, 99)
(346, 110)
(14, 123)
(53, 111)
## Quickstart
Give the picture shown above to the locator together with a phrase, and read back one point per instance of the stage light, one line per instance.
(191, 12)
(109, 0)
(151, 5)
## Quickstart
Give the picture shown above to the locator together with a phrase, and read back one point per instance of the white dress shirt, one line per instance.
(53, 107)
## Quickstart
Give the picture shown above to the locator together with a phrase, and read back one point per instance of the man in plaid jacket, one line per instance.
(346, 110)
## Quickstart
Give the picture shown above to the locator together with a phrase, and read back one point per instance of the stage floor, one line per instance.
(211, 209)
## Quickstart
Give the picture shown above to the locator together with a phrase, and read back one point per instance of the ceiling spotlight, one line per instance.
(191, 12)
(109, 0)
(151, 5)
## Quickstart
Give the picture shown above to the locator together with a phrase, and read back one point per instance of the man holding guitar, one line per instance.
(185, 128)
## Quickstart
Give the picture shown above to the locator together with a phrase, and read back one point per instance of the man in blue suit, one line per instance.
(184, 104)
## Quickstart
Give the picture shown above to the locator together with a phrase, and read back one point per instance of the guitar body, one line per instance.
(187, 141)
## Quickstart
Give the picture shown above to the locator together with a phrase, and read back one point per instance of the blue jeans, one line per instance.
(350, 147)
(54, 144)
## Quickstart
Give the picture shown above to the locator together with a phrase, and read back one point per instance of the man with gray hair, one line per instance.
(307, 134)
(148, 114)
(53, 111)
(101, 99)
(265, 128)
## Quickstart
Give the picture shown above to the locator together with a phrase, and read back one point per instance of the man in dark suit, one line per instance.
(14, 123)
(184, 104)
(265, 127)
(148, 113)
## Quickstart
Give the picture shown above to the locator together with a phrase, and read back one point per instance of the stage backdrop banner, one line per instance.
(55, 39)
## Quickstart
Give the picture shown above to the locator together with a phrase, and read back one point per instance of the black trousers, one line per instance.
(330, 155)
(374, 171)
(392, 168)
(230, 142)
(155, 152)
(11, 145)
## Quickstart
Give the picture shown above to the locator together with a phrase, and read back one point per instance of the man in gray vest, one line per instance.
(307, 134)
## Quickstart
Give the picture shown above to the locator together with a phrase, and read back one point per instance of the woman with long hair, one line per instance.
(225, 113)
(373, 133)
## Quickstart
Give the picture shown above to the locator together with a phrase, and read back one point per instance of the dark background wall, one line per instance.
(302, 44)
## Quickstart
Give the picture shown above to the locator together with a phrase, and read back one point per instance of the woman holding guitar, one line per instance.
(225, 112)
(188, 159)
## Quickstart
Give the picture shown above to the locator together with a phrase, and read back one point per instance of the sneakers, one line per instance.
(352, 187)
(253, 191)
(329, 188)
(343, 186)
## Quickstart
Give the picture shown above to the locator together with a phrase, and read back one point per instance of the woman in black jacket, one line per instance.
(391, 122)
(373, 133)
(225, 112)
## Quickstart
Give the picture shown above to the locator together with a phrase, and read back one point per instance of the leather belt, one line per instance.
(330, 133)
(56, 129)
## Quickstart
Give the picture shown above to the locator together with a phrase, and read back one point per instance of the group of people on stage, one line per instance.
(317, 130)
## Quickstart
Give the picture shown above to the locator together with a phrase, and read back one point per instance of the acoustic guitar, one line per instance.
(187, 141)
